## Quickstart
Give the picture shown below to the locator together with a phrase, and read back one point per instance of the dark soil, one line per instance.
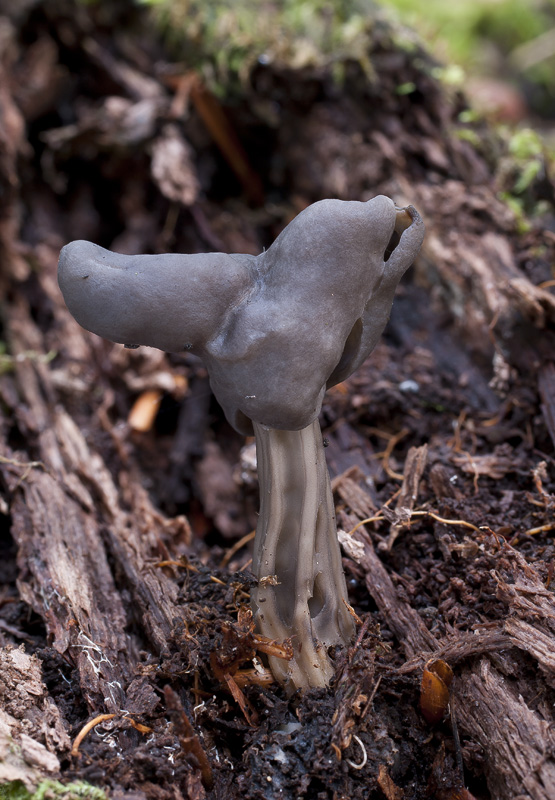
(121, 590)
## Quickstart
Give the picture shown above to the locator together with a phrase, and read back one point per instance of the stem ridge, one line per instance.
(301, 592)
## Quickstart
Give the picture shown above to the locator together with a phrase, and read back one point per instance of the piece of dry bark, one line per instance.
(25, 760)
(415, 463)
(173, 168)
(32, 731)
(25, 707)
(403, 620)
(69, 520)
(358, 499)
(513, 735)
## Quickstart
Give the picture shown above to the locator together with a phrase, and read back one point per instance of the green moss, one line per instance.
(527, 174)
(526, 160)
(450, 75)
(15, 790)
(459, 29)
(225, 40)
(7, 361)
(406, 88)
(525, 144)
(516, 204)
(52, 790)
(468, 135)
(502, 38)
(470, 115)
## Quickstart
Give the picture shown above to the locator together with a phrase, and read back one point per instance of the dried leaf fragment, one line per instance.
(173, 168)
(495, 465)
(434, 690)
(188, 739)
(388, 786)
(239, 645)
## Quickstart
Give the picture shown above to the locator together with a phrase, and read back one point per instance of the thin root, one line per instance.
(87, 729)
(364, 755)
(437, 518)
(236, 547)
(377, 518)
(548, 527)
(103, 718)
(389, 450)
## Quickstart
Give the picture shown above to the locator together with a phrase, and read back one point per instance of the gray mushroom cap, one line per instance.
(273, 330)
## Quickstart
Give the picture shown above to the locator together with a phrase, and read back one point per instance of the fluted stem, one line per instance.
(301, 590)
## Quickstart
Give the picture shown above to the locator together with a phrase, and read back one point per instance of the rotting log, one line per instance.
(68, 520)
(514, 732)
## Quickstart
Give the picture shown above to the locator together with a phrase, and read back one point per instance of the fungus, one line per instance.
(274, 331)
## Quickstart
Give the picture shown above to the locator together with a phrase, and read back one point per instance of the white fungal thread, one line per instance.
(114, 694)
(364, 755)
(105, 732)
(96, 657)
(46, 599)
(69, 683)
(90, 648)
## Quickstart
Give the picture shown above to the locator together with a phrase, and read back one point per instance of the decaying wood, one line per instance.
(531, 621)
(347, 485)
(533, 640)
(64, 551)
(484, 699)
(461, 647)
(412, 473)
(514, 735)
(188, 738)
(28, 715)
(403, 620)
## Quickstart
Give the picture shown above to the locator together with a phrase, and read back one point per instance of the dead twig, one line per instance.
(188, 739)
(415, 464)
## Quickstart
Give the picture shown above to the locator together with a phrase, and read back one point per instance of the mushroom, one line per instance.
(274, 331)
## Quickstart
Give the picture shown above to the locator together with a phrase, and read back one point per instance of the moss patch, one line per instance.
(52, 790)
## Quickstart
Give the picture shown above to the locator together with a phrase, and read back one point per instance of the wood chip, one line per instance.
(144, 410)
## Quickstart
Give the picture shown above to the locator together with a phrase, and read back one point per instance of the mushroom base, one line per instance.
(301, 592)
